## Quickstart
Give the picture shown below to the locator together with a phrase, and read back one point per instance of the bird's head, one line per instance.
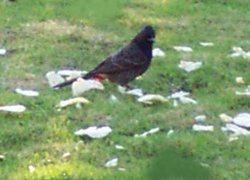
(145, 36)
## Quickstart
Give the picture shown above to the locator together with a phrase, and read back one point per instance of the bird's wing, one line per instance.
(128, 57)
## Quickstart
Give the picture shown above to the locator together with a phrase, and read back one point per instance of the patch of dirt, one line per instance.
(54, 27)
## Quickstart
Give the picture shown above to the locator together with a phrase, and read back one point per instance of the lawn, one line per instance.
(46, 35)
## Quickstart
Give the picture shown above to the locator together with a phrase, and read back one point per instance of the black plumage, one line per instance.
(128, 63)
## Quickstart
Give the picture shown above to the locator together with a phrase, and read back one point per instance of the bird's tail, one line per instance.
(69, 82)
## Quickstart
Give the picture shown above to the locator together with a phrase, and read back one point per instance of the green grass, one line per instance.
(52, 35)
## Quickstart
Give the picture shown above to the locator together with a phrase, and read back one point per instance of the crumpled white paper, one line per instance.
(112, 163)
(152, 98)
(13, 108)
(120, 147)
(54, 78)
(157, 52)
(189, 66)
(151, 131)
(200, 118)
(182, 97)
(68, 102)
(81, 85)
(183, 48)
(206, 44)
(198, 127)
(30, 93)
(239, 80)
(135, 92)
(236, 130)
(71, 73)
(244, 93)
(94, 132)
(225, 118)
(239, 52)
(242, 119)
(2, 51)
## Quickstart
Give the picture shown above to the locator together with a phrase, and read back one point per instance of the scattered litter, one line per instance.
(244, 93)
(205, 165)
(31, 168)
(113, 98)
(247, 93)
(239, 80)
(152, 98)
(242, 119)
(236, 130)
(65, 103)
(189, 66)
(206, 44)
(81, 85)
(175, 103)
(66, 156)
(136, 92)
(181, 96)
(54, 78)
(71, 73)
(225, 118)
(239, 52)
(200, 118)
(112, 163)
(2, 157)
(183, 48)
(94, 132)
(157, 52)
(170, 132)
(13, 108)
(29, 93)
(197, 127)
(233, 138)
(151, 131)
(79, 145)
(3, 51)
(121, 89)
(119, 147)
(187, 100)
(121, 169)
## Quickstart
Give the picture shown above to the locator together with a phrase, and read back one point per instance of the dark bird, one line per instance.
(125, 65)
